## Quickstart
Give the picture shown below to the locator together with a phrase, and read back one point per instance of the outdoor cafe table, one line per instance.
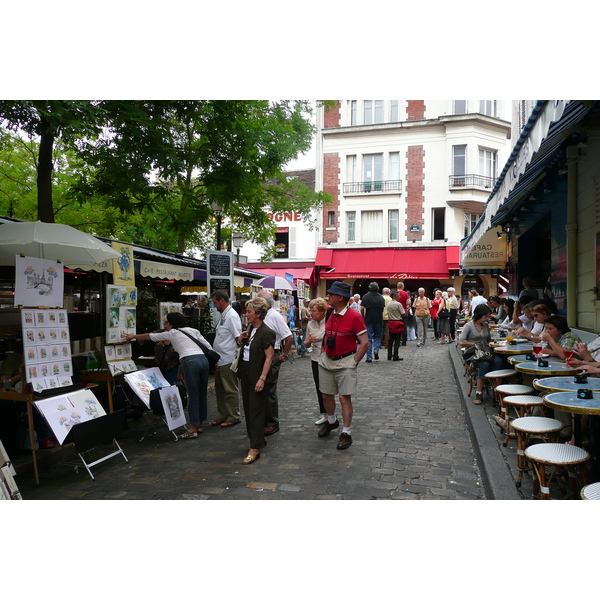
(569, 402)
(509, 350)
(553, 368)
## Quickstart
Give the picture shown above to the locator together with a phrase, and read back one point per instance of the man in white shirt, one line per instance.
(228, 329)
(283, 343)
(476, 299)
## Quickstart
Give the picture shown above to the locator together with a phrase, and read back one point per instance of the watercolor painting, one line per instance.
(144, 381)
(173, 407)
(38, 282)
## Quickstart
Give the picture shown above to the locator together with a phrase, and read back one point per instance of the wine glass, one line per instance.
(568, 356)
(537, 350)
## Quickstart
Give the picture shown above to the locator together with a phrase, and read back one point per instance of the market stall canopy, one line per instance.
(277, 283)
(52, 241)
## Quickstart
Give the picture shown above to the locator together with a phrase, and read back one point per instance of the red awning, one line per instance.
(387, 263)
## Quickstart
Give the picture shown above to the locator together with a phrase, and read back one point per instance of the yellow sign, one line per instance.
(488, 253)
(123, 270)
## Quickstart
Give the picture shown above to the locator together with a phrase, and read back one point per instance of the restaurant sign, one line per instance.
(166, 271)
(488, 253)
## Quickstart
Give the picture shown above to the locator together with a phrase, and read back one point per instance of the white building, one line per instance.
(409, 179)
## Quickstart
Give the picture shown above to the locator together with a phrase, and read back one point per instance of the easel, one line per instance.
(85, 436)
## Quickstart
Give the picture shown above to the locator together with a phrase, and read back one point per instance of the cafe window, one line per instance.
(282, 243)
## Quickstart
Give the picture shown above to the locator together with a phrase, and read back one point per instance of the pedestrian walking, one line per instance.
(227, 391)
(315, 331)
(444, 319)
(396, 326)
(454, 308)
(385, 330)
(372, 307)
(345, 345)
(404, 299)
(421, 307)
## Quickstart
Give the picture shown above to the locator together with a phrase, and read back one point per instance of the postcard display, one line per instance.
(119, 359)
(46, 337)
(120, 313)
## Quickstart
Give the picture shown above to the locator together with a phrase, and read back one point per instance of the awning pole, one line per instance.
(571, 230)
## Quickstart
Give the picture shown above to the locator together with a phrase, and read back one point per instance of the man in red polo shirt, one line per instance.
(344, 346)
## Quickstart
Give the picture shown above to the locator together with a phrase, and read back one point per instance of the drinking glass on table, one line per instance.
(568, 356)
(509, 337)
(537, 350)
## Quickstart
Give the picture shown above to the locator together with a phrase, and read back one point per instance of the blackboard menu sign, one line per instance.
(220, 272)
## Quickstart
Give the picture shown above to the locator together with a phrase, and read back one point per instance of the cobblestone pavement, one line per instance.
(410, 441)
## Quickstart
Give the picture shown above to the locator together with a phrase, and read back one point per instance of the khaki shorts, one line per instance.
(337, 376)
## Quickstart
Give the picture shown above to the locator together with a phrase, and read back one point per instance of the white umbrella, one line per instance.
(277, 283)
(52, 241)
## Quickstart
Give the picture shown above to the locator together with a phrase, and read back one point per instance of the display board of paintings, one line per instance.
(119, 359)
(46, 348)
(63, 412)
(144, 381)
(173, 407)
(121, 303)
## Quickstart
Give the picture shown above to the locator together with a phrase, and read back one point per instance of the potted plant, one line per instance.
(280, 247)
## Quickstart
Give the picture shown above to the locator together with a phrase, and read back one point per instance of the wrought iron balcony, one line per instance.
(480, 181)
(362, 187)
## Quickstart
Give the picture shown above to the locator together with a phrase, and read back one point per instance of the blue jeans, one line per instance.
(374, 336)
(195, 374)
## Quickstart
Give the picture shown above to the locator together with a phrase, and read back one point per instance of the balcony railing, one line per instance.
(480, 181)
(362, 187)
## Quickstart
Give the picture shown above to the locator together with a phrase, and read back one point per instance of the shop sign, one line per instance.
(165, 271)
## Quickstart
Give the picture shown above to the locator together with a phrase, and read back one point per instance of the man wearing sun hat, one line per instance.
(344, 346)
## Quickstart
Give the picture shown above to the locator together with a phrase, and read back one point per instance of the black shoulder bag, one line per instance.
(212, 356)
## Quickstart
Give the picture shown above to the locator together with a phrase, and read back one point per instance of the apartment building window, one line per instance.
(331, 218)
(372, 225)
(372, 171)
(487, 163)
(394, 166)
(439, 228)
(470, 222)
(351, 226)
(353, 112)
(459, 164)
(487, 107)
(373, 111)
(460, 107)
(393, 225)
(351, 168)
(394, 112)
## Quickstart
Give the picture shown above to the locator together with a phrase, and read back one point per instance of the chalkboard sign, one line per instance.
(220, 272)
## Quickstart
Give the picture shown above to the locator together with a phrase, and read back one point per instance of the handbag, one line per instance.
(236, 360)
(396, 327)
(212, 356)
(443, 313)
(478, 353)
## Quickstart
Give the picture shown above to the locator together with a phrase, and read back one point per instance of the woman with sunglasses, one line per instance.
(539, 312)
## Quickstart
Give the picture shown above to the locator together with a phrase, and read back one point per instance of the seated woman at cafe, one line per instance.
(588, 356)
(496, 304)
(509, 307)
(559, 336)
(477, 333)
(539, 313)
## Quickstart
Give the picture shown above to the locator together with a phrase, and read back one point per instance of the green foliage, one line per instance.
(148, 171)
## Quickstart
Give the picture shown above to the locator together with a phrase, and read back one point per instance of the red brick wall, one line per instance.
(332, 117)
(415, 187)
(415, 110)
(331, 185)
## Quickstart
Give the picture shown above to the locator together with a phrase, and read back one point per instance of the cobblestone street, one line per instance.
(411, 441)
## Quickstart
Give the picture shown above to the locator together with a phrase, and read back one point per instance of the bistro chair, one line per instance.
(499, 376)
(522, 406)
(556, 456)
(509, 389)
(529, 429)
(591, 492)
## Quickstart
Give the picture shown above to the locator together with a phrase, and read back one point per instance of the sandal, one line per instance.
(189, 435)
(229, 423)
(250, 459)
(218, 421)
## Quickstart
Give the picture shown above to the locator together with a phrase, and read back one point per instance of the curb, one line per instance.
(498, 482)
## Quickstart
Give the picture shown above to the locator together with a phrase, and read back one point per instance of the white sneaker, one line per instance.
(320, 420)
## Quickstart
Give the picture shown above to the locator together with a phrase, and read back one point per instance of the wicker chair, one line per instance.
(556, 456)
(591, 492)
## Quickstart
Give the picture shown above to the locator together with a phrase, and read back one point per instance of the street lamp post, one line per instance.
(238, 242)
(218, 212)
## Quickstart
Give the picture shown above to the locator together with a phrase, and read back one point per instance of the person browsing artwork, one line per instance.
(194, 365)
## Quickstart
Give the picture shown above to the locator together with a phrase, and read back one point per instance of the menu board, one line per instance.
(220, 272)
